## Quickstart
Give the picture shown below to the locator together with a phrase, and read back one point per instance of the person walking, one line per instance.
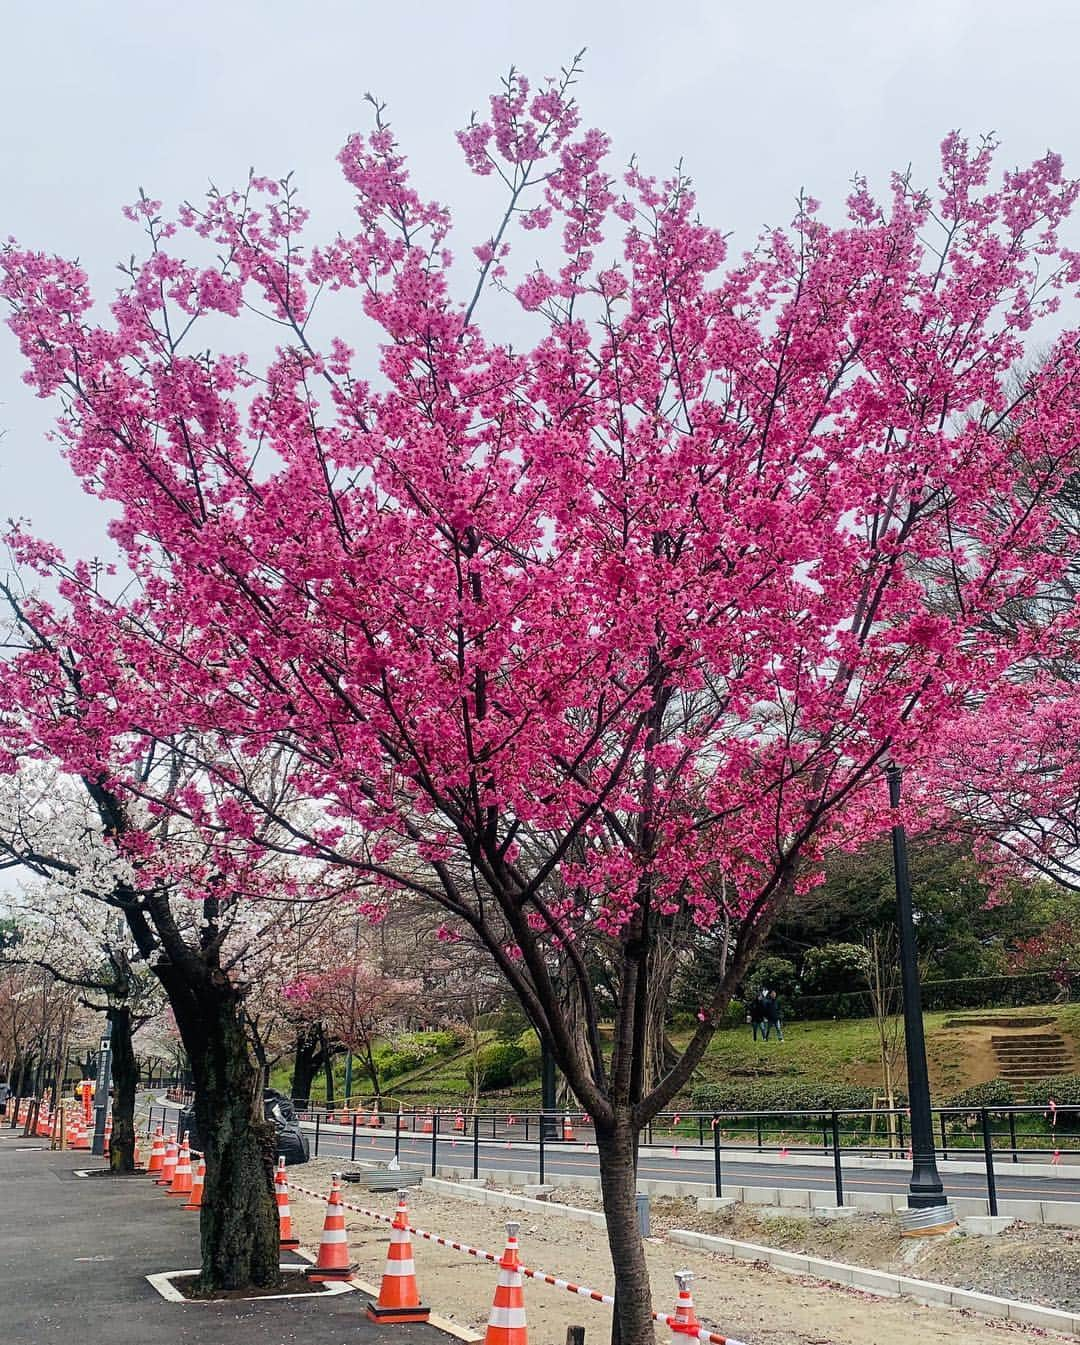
(773, 1016)
(755, 1016)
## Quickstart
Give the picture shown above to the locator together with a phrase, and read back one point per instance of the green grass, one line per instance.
(843, 1050)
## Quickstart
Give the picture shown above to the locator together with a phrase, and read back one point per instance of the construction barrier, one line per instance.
(333, 1261)
(666, 1319)
(399, 1298)
(281, 1195)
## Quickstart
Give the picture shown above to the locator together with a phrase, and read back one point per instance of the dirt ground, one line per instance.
(751, 1302)
(1028, 1262)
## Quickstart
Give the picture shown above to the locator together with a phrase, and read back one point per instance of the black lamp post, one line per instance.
(926, 1195)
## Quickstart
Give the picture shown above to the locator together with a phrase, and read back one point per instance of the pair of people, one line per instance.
(765, 1015)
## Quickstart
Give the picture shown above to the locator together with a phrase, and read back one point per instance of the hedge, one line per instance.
(782, 1095)
(972, 992)
(1063, 1090)
(992, 1093)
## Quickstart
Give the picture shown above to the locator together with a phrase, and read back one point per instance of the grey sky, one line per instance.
(98, 98)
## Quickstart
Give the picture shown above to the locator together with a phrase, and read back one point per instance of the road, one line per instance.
(574, 1160)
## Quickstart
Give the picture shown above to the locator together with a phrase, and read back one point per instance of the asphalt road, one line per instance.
(575, 1160)
(565, 1160)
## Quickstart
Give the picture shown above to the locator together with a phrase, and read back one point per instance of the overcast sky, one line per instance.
(97, 99)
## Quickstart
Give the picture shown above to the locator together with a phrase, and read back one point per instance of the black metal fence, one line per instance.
(988, 1135)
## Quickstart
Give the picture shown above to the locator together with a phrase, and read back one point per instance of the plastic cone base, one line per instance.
(317, 1276)
(289, 1244)
(418, 1314)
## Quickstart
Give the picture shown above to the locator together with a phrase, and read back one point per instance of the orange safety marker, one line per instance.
(157, 1153)
(181, 1182)
(506, 1324)
(195, 1199)
(399, 1298)
(376, 1119)
(459, 1122)
(168, 1168)
(685, 1320)
(568, 1129)
(333, 1262)
(427, 1127)
(82, 1137)
(284, 1213)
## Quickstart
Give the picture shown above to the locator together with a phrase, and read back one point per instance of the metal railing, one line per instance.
(982, 1134)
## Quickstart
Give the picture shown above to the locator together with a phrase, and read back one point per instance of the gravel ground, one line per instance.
(751, 1302)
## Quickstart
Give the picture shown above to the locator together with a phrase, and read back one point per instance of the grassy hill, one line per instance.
(836, 1050)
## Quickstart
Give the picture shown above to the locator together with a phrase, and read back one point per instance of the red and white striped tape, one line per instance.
(709, 1337)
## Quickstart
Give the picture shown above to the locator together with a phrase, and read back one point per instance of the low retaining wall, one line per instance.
(480, 1195)
(882, 1282)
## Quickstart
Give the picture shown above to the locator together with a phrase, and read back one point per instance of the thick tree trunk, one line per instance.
(125, 1074)
(239, 1223)
(616, 1147)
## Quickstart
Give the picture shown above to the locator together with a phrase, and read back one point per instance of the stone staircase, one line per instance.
(1027, 1057)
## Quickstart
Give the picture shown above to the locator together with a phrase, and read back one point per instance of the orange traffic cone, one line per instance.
(82, 1137)
(685, 1320)
(333, 1262)
(506, 1324)
(157, 1154)
(284, 1213)
(181, 1182)
(376, 1119)
(195, 1198)
(568, 1129)
(399, 1299)
(459, 1122)
(427, 1127)
(168, 1168)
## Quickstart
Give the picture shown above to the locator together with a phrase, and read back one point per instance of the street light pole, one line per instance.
(929, 1209)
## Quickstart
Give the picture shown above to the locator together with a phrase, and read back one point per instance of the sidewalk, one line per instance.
(74, 1253)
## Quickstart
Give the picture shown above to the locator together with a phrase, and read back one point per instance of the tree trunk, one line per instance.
(305, 1064)
(328, 1075)
(633, 1324)
(239, 1222)
(125, 1074)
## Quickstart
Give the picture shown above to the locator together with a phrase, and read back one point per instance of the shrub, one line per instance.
(495, 1065)
(992, 1093)
(1064, 1090)
(774, 973)
(781, 1095)
(835, 968)
(411, 1050)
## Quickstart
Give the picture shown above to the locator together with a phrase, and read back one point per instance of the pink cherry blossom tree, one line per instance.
(582, 632)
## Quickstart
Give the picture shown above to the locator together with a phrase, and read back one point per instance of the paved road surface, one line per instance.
(74, 1253)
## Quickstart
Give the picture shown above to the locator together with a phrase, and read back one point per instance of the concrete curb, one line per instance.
(479, 1195)
(882, 1282)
